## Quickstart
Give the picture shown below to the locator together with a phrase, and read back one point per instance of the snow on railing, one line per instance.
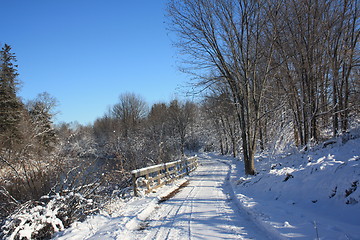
(156, 176)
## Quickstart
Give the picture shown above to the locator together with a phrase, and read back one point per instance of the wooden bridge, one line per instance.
(156, 176)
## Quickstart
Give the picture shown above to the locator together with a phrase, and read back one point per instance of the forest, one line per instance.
(270, 75)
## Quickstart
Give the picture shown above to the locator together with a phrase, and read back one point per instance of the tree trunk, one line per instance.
(248, 157)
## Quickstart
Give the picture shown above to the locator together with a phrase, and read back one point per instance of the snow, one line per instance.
(309, 195)
(34, 219)
(320, 198)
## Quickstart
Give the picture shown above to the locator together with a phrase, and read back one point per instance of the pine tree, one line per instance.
(11, 107)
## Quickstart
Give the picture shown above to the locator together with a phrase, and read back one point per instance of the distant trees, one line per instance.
(158, 133)
(220, 109)
(181, 117)
(137, 137)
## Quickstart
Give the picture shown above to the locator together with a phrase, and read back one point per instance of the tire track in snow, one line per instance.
(162, 219)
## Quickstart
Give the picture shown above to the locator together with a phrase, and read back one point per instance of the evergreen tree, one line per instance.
(11, 107)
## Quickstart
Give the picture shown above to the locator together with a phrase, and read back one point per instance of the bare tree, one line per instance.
(41, 111)
(231, 38)
(130, 110)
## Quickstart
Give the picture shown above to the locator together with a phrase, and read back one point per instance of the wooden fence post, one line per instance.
(134, 185)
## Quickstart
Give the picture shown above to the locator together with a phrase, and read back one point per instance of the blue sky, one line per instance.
(85, 53)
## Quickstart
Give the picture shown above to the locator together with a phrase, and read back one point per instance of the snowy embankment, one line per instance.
(120, 217)
(312, 195)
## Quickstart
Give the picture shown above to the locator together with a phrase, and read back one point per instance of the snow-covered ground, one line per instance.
(313, 195)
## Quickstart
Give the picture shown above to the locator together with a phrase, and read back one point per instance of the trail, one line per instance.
(202, 210)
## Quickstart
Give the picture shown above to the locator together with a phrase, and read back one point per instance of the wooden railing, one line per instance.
(158, 175)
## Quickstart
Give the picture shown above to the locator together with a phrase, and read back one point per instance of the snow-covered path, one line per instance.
(202, 210)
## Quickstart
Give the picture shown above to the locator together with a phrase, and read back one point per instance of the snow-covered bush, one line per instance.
(41, 219)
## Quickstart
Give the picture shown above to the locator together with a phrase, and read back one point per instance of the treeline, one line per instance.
(27, 139)
(135, 136)
(273, 62)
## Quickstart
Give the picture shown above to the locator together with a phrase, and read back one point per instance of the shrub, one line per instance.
(41, 219)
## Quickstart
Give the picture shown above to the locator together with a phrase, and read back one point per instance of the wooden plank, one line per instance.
(171, 171)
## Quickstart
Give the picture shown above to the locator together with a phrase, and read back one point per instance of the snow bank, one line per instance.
(119, 218)
(305, 196)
